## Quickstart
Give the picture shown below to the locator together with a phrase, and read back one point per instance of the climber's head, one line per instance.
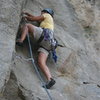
(48, 10)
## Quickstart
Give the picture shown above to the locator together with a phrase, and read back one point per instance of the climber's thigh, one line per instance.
(30, 27)
(34, 31)
(37, 33)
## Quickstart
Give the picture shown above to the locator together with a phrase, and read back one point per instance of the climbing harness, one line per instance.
(48, 42)
(36, 69)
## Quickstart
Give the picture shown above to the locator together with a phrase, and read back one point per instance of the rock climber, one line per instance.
(46, 22)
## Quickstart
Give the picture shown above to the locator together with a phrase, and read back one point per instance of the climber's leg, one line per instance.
(28, 28)
(42, 64)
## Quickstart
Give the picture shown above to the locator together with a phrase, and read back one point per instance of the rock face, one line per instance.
(77, 71)
(87, 11)
(9, 16)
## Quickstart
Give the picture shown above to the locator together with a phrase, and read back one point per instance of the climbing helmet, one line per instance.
(48, 10)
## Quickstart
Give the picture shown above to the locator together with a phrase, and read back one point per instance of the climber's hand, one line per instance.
(28, 18)
(23, 12)
(26, 13)
(24, 18)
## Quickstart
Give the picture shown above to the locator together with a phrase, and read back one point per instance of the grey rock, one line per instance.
(77, 71)
(9, 16)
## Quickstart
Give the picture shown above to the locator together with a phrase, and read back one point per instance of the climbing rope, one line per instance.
(36, 69)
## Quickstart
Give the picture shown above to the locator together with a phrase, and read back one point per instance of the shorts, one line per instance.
(37, 33)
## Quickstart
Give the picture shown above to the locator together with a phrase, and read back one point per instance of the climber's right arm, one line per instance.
(34, 18)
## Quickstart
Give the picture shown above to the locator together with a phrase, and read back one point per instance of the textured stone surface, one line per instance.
(77, 71)
(9, 20)
(87, 11)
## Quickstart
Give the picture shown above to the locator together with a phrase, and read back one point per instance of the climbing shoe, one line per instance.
(50, 83)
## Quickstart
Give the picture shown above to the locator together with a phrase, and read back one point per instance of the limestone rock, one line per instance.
(9, 16)
(77, 71)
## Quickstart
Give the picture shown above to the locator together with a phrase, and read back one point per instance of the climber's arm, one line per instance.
(34, 18)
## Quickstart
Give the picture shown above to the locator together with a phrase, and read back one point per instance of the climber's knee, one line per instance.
(30, 27)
